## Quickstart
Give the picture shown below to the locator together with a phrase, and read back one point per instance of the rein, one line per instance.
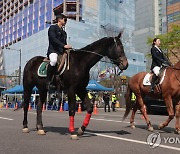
(174, 68)
(113, 60)
(99, 55)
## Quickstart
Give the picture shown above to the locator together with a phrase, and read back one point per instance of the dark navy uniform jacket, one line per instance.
(57, 39)
(158, 58)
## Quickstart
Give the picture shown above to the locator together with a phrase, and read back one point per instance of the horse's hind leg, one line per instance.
(144, 113)
(27, 96)
(177, 125)
(39, 124)
(170, 110)
(135, 107)
(89, 107)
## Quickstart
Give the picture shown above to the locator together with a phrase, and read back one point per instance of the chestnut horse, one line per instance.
(170, 92)
(73, 81)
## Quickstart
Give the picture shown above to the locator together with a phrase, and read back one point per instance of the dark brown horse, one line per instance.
(170, 88)
(74, 80)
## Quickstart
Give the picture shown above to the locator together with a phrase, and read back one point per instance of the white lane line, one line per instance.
(32, 112)
(6, 118)
(109, 120)
(131, 140)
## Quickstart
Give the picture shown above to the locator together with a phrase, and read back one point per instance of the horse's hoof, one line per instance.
(74, 137)
(177, 131)
(160, 126)
(80, 132)
(25, 130)
(133, 127)
(151, 129)
(41, 132)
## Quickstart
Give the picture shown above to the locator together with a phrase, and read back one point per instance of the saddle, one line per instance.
(148, 77)
(61, 66)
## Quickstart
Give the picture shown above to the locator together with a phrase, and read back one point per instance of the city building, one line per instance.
(173, 17)
(173, 13)
(24, 25)
(150, 20)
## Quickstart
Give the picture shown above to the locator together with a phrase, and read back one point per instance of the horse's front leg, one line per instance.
(72, 109)
(39, 124)
(89, 107)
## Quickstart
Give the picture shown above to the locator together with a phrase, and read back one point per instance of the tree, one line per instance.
(170, 42)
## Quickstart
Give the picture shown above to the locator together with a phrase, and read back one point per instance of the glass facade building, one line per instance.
(25, 19)
(27, 30)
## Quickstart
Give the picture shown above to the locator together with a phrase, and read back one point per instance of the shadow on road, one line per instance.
(64, 131)
(164, 130)
(122, 132)
(60, 130)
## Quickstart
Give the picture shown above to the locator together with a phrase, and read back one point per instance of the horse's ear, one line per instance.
(120, 34)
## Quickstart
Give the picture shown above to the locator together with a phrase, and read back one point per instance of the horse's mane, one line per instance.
(93, 45)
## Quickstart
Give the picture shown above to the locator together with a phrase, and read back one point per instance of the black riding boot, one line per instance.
(153, 83)
(51, 70)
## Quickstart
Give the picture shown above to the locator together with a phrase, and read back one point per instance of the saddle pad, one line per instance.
(42, 70)
(146, 81)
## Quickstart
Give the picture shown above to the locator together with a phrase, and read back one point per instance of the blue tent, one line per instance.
(94, 86)
(17, 89)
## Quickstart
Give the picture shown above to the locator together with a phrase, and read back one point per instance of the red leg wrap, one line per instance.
(86, 120)
(71, 123)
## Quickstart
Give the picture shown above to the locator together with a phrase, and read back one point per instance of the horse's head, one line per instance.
(116, 52)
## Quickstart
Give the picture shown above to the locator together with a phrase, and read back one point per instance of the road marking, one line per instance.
(110, 120)
(131, 140)
(32, 112)
(6, 118)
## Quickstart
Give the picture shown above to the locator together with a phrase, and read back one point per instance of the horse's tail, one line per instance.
(128, 102)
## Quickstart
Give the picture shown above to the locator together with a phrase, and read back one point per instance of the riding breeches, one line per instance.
(156, 70)
(53, 59)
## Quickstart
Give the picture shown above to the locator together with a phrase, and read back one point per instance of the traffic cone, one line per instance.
(16, 107)
(61, 108)
(79, 108)
(7, 106)
(44, 107)
(95, 109)
(29, 106)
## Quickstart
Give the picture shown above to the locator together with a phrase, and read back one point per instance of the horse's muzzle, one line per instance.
(123, 65)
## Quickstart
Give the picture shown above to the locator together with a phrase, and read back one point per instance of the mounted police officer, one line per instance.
(158, 59)
(57, 45)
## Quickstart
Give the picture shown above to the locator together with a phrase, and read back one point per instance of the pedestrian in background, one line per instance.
(106, 99)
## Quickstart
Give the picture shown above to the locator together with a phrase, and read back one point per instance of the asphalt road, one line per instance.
(105, 134)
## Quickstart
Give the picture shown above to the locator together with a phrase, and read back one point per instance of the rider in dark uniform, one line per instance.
(57, 45)
(158, 58)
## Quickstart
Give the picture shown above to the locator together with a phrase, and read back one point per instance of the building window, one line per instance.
(173, 17)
